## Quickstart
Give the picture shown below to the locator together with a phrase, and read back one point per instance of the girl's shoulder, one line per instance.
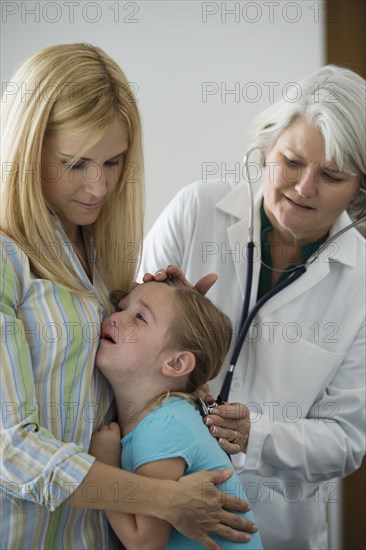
(175, 414)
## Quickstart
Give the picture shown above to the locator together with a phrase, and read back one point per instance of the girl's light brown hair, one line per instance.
(62, 90)
(199, 327)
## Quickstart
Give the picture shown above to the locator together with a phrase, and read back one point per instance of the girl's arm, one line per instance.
(192, 505)
(142, 532)
(135, 531)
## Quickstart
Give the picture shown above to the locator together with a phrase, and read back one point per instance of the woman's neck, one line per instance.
(75, 235)
(283, 251)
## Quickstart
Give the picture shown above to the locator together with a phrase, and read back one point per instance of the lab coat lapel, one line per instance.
(313, 275)
(236, 203)
(342, 250)
(238, 233)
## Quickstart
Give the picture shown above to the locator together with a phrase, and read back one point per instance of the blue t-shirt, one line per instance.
(175, 429)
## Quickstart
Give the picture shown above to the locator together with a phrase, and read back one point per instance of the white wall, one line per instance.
(184, 57)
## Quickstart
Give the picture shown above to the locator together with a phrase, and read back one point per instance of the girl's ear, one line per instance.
(179, 364)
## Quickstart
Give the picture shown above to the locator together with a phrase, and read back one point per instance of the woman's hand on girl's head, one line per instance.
(106, 444)
(203, 513)
(173, 271)
(230, 424)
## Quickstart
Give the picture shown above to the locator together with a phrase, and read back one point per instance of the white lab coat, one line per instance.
(302, 368)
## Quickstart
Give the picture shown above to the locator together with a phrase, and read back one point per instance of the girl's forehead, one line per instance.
(151, 288)
(157, 295)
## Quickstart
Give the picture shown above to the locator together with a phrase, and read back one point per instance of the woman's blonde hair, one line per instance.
(62, 90)
(333, 101)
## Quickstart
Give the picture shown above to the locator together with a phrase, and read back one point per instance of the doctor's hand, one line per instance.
(202, 286)
(230, 424)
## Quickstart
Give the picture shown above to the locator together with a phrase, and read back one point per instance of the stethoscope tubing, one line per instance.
(296, 274)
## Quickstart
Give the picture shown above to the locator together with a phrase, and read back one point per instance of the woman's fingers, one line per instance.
(205, 283)
(232, 411)
(209, 543)
(103, 428)
(114, 427)
(233, 438)
(230, 447)
(230, 424)
(148, 277)
(175, 272)
(219, 476)
(161, 274)
(227, 532)
(205, 512)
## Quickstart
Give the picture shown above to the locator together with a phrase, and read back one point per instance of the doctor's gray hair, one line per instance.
(333, 101)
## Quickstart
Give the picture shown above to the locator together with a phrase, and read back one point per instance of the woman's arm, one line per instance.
(35, 465)
(192, 505)
(142, 532)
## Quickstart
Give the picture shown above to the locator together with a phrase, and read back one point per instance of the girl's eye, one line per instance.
(141, 317)
(118, 308)
(112, 163)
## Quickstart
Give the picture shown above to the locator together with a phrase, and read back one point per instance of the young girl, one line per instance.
(164, 342)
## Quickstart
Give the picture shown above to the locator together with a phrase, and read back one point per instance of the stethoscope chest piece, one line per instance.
(205, 409)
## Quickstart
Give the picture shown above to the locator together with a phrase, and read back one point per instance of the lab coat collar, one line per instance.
(236, 203)
(342, 250)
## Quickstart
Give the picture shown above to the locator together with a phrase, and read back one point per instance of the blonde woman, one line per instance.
(71, 225)
(179, 343)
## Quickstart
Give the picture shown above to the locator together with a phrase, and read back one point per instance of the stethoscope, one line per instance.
(246, 316)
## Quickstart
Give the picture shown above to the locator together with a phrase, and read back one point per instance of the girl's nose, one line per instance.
(119, 318)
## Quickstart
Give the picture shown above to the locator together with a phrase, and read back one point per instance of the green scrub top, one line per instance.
(307, 250)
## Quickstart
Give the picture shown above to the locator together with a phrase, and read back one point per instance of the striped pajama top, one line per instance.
(52, 399)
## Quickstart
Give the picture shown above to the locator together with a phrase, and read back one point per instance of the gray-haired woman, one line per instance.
(301, 370)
